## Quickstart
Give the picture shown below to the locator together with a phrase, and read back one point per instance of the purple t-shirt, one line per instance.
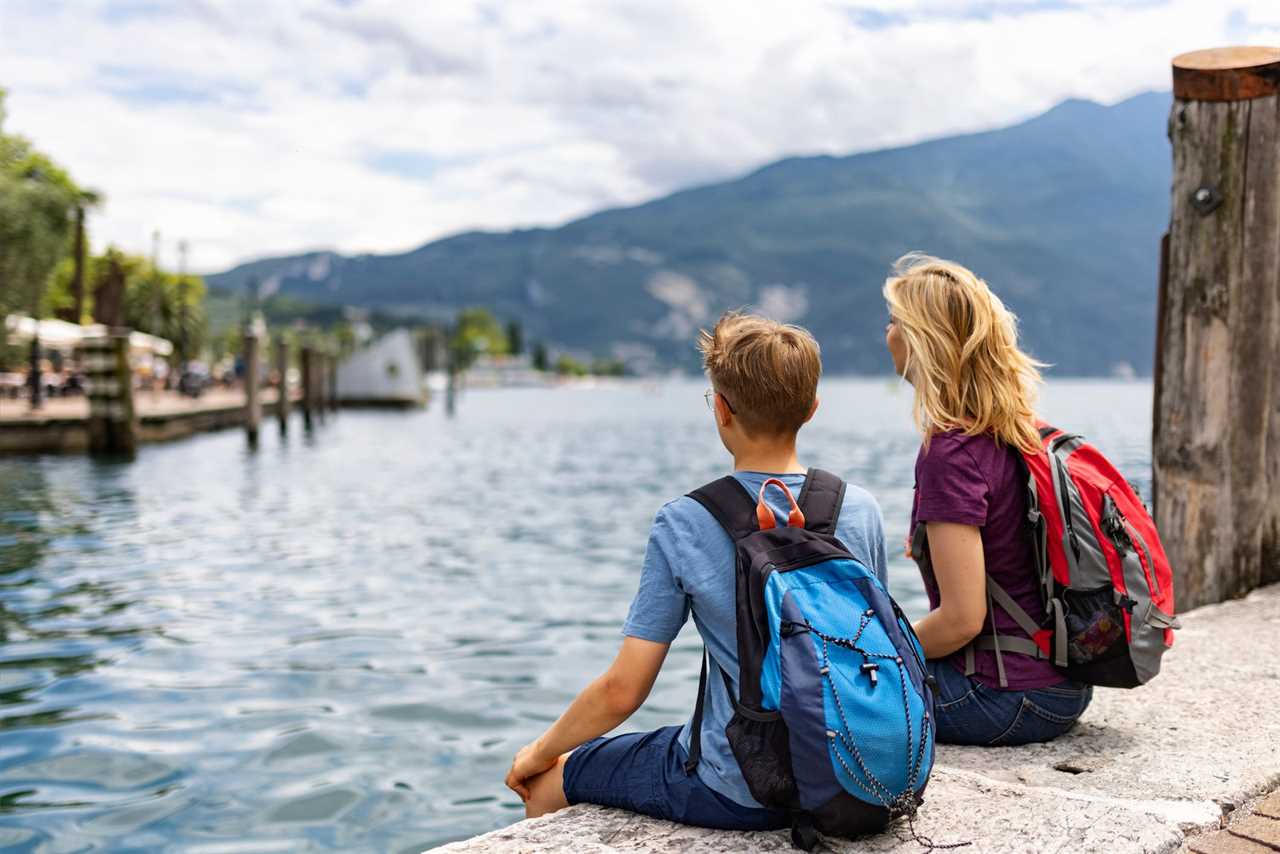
(973, 480)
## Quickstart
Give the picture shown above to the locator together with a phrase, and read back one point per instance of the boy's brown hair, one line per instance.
(767, 371)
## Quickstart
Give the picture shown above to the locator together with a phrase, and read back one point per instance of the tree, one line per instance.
(165, 304)
(476, 331)
(567, 366)
(541, 361)
(37, 200)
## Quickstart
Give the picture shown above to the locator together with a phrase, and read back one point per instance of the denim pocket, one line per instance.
(957, 703)
(1014, 734)
(1042, 721)
(1052, 717)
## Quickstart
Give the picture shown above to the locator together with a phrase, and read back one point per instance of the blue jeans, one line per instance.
(644, 772)
(968, 712)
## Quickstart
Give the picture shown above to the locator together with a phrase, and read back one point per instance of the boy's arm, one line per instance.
(602, 705)
(658, 611)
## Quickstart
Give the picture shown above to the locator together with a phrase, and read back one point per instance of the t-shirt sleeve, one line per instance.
(861, 529)
(879, 558)
(952, 488)
(660, 607)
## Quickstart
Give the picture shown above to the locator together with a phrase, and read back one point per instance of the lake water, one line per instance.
(338, 643)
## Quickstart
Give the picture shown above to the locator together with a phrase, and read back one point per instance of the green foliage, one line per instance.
(476, 331)
(608, 368)
(567, 366)
(230, 342)
(540, 359)
(37, 204)
(155, 301)
(38, 222)
(345, 338)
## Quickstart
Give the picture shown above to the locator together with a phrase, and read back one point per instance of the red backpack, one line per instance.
(1106, 582)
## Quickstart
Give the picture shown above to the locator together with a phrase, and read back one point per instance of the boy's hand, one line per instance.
(528, 763)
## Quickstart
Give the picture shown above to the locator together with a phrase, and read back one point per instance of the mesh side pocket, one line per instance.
(1095, 626)
(763, 751)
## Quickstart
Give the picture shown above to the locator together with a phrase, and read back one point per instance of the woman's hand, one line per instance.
(529, 763)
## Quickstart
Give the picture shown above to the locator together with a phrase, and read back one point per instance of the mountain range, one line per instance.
(1061, 214)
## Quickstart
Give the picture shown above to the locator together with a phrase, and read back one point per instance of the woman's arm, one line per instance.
(960, 569)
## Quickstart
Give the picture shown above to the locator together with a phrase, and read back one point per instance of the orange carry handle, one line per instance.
(764, 513)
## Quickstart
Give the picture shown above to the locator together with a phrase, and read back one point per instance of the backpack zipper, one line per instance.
(1064, 486)
(1135, 537)
(1126, 538)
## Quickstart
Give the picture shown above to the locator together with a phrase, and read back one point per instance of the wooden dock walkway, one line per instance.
(61, 424)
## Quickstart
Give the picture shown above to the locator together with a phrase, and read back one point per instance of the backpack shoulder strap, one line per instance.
(730, 504)
(821, 499)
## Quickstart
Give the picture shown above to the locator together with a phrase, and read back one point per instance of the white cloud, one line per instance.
(254, 128)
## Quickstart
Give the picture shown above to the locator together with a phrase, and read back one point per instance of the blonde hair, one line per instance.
(767, 371)
(962, 353)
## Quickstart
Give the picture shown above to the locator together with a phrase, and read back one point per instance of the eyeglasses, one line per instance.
(710, 397)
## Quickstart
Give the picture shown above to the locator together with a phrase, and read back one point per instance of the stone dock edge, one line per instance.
(1161, 768)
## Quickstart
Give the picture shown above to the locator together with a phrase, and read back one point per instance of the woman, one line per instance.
(956, 343)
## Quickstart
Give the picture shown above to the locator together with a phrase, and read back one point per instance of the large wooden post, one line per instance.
(332, 380)
(317, 383)
(308, 385)
(112, 424)
(252, 403)
(282, 394)
(1216, 436)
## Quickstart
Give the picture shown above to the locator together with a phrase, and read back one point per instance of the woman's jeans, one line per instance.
(968, 712)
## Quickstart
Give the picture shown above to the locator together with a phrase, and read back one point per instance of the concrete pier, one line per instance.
(1153, 770)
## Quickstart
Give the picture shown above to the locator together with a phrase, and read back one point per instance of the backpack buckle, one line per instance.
(787, 628)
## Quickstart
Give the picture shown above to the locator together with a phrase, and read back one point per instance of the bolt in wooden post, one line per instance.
(252, 403)
(308, 386)
(112, 424)
(1216, 436)
(282, 394)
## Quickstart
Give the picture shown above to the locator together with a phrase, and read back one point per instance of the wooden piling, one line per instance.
(1216, 436)
(333, 381)
(308, 386)
(252, 403)
(282, 394)
(318, 384)
(112, 424)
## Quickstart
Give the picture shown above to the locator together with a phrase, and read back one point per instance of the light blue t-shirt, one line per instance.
(690, 565)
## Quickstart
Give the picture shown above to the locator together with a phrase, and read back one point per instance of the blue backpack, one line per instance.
(834, 721)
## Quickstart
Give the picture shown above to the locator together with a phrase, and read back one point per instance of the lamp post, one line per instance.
(37, 391)
(37, 388)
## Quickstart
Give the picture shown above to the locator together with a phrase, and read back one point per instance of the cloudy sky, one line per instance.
(261, 127)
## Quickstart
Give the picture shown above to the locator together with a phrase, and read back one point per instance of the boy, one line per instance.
(764, 378)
